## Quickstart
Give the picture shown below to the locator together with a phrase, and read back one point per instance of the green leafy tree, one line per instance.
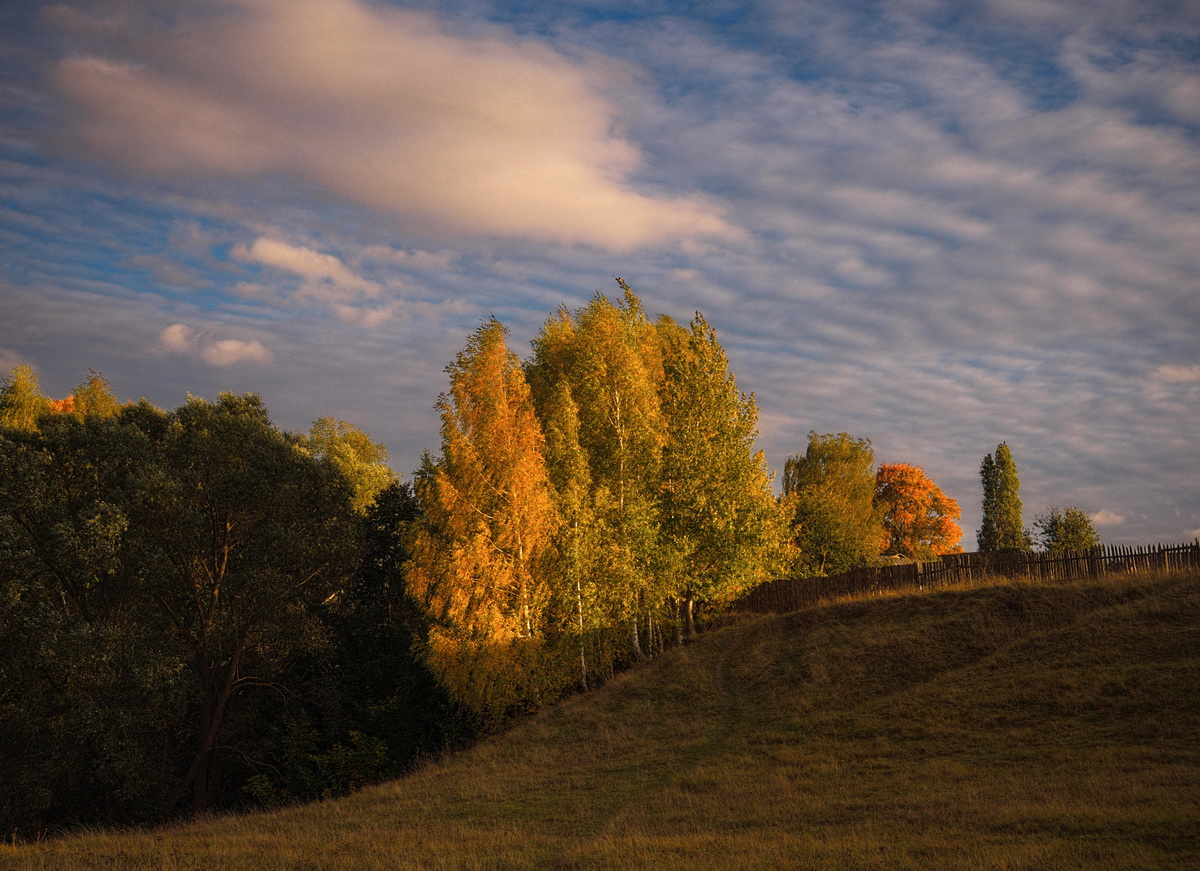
(608, 356)
(352, 452)
(364, 707)
(89, 694)
(829, 496)
(1066, 529)
(163, 578)
(717, 511)
(243, 537)
(1002, 528)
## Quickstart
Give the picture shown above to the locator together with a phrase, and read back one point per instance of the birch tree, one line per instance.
(718, 514)
(21, 400)
(608, 356)
(489, 518)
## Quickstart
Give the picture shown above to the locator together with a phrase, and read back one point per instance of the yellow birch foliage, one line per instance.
(608, 356)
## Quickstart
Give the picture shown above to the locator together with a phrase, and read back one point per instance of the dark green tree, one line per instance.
(90, 697)
(244, 537)
(1066, 529)
(1002, 528)
(829, 500)
(158, 572)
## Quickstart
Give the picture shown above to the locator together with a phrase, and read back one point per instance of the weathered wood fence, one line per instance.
(968, 569)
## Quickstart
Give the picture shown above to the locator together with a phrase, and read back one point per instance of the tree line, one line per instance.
(199, 610)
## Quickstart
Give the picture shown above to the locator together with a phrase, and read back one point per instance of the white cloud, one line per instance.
(177, 338)
(326, 277)
(381, 106)
(168, 272)
(182, 339)
(227, 352)
(364, 317)
(1177, 374)
(1107, 517)
(414, 259)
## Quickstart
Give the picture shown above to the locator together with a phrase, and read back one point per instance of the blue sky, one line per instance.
(937, 225)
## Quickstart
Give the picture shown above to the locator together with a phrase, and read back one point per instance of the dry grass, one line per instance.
(1047, 727)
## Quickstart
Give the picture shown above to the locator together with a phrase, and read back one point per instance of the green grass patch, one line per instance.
(1014, 726)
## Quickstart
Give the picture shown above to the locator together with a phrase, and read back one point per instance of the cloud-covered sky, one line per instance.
(936, 224)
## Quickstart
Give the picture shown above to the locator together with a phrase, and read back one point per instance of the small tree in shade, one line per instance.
(1066, 529)
(1002, 529)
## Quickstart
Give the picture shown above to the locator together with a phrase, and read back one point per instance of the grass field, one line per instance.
(1013, 726)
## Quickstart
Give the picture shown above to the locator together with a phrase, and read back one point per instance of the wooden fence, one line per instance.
(968, 569)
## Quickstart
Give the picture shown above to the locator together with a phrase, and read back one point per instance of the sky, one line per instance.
(937, 225)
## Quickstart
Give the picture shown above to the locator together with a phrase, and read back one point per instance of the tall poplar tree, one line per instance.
(1002, 528)
(489, 518)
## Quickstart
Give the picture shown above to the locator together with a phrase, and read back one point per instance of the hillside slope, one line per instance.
(1006, 727)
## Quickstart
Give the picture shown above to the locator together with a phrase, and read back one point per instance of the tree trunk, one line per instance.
(637, 644)
(582, 653)
(689, 610)
(212, 713)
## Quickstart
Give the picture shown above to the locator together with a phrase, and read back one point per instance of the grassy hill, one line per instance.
(1008, 727)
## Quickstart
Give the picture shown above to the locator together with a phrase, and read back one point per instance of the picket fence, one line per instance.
(968, 569)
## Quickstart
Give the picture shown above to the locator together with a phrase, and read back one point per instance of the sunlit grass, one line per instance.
(1009, 727)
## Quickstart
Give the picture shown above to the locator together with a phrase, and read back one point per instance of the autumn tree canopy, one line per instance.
(918, 518)
(489, 520)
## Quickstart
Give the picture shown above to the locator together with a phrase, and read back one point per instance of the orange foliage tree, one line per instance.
(489, 519)
(918, 517)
